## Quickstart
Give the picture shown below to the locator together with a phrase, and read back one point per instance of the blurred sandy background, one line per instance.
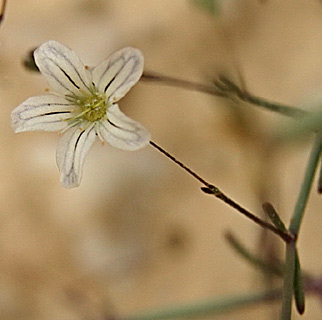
(138, 234)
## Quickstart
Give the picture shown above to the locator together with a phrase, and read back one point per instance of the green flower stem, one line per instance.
(288, 281)
(306, 187)
(295, 226)
(210, 307)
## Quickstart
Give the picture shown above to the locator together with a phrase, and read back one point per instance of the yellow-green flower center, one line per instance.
(93, 108)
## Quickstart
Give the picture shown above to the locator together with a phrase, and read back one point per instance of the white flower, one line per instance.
(83, 105)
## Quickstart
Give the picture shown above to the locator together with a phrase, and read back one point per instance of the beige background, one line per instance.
(138, 234)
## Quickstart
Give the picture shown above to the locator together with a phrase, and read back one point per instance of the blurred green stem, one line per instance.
(273, 267)
(212, 6)
(213, 306)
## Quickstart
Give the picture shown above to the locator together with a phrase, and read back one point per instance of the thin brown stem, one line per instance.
(211, 189)
(179, 163)
(220, 195)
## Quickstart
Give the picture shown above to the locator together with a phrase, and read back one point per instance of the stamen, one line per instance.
(81, 114)
(72, 98)
(86, 126)
(73, 124)
(93, 107)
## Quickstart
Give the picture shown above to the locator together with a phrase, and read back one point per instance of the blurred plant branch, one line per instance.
(2, 10)
(220, 305)
(225, 88)
(211, 6)
(209, 307)
(275, 268)
(185, 84)
(215, 306)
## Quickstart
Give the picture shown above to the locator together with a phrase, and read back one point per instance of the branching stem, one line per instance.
(295, 227)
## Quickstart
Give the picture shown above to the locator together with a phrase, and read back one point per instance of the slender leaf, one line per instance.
(273, 216)
(320, 179)
(210, 307)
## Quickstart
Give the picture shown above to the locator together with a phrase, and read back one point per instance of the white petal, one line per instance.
(71, 153)
(46, 113)
(116, 75)
(63, 69)
(122, 132)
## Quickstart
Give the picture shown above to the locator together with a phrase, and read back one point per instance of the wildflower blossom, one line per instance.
(82, 105)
